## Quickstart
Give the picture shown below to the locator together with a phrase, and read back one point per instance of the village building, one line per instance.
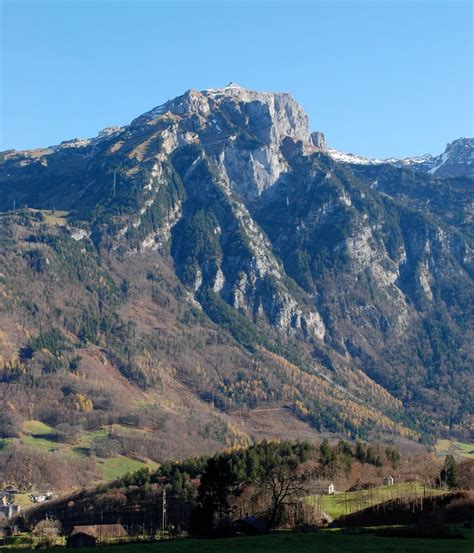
(91, 535)
(388, 480)
(40, 498)
(9, 510)
(324, 487)
(10, 490)
(250, 525)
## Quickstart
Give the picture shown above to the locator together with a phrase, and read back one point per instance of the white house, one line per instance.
(388, 480)
(324, 487)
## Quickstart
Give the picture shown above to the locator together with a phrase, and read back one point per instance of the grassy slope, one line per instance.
(40, 437)
(51, 218)
(345, 503)
(23, 500)
(327, 541)
(118, 466)
(57, 217)
(37, 428)
(458, 449)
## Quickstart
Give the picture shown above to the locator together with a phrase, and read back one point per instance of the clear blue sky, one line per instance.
(380, 78)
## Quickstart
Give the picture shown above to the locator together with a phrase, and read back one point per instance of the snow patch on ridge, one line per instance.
(344, 157)
(444, 159)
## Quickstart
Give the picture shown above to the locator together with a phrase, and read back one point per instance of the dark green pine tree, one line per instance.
(217, 483)
(450, 473)
(324, 452)
(361, 452)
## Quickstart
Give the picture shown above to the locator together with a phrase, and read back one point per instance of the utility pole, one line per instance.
(163, 512)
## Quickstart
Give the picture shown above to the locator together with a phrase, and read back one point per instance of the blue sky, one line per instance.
(379, 78)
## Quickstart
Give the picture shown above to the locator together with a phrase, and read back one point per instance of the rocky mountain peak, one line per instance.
(272, 117)
(241, 130)
(457, 160)
(265, 109)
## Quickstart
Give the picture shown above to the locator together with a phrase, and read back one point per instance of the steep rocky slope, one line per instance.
(222, 261)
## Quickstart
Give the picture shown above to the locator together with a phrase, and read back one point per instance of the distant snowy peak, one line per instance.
(360, 160)
(344, 157)
(457, 160)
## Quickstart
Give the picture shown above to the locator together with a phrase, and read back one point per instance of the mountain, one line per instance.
(456, 161)
(212, 274)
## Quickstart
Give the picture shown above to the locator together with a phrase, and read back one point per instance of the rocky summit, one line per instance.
(215, 268)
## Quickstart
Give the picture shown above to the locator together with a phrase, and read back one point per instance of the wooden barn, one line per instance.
(91, 535)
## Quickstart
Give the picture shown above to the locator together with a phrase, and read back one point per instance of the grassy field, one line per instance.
(41, 437)
(23, 500)
(457, 449)
(89, 436)
(118, 466)
(349, 502)
(51, 217)
(323, 541)
(37, 428)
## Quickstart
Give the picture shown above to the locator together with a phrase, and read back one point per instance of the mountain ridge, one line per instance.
(462, 148)
(456, 160)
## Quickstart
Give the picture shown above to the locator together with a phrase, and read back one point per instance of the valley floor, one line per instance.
(324, 541)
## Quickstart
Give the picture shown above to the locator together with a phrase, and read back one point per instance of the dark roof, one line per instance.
(101, 530)
(253, 521)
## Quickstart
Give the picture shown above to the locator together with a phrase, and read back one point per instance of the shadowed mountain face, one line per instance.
(340, 290)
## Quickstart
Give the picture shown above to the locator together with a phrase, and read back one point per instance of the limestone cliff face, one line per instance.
(242, 130)
(226, 142)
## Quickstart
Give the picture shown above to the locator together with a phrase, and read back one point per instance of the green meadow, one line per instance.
(346, 503)
(323, 541)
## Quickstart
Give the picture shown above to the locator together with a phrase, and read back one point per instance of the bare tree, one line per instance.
(283, 483)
